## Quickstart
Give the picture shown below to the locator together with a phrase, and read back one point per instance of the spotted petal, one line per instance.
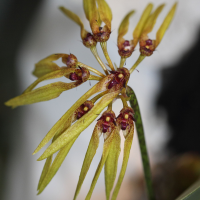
(165, 24)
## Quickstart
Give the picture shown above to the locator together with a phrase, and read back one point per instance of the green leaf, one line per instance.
(58, 127)
(165, 24)
(44, 93)
(91, 151)
(79, 125)
(127, 148)
(138, 29)
(111, 163)
(106, 149)
(74, 18)
(47, 65)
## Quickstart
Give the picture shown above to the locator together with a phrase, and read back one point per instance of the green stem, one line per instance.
(141, 137)
(122, 61)
(139, 60)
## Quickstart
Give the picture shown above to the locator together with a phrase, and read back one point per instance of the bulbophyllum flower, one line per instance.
(111, 85)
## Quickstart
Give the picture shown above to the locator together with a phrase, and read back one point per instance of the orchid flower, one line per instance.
(111, 85)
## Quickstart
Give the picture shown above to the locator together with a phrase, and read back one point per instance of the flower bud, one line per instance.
(126, 48)
(147, 47)
(71, 61)
(89, 41)
(102, 35)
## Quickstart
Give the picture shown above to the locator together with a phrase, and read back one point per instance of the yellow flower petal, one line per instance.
(76, 19)
(45, 170)
(123, 28)
(80, 125)
(165, 24)
(138, 29)
(58, 127)
(91, 13)
(91, 151)
(127, 147)
(44, 93)
(105, 13)
(55, 165)
(111, 163)
(46, 65)
(152, 20)
(55, 74)
(106, 149)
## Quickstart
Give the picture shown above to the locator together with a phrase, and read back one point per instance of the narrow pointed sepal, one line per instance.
(105, 13)
(47, 65)
(106, 149)
(74, 18)
(152, 20)
(44, 93)
(80, 125)
(91, 151)
(111, 163)
(138, 29)
(127, 148)
(45, 170)
(55, 165)
(59, 126)
(165, 24)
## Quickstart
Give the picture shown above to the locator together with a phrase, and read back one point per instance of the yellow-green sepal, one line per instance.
(138, 29)
(111, 163)
(80, 125)
(91, 151)
(55, 165)
(152, 20)
(105, 13)
(106, 149)
(58, 127)
(123, 28)
(161, 31)
(74, 18)
(92, 14)
(44, 93)
(47, 65)
(52, 75)
(127, 148)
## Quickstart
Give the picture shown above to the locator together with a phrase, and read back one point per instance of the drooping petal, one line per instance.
(55, 74)
(80, 125)
(91, 151)
(152, 20)
(138, 29)
(46, 65)
(111, 163)
(127, 147)
(165, 24)
(74, 18)
(92, 14)
(105, 13)
(55, 165)
(123, 28)
(44, 93)
(106, 149)
(45, 170)
(58, 127)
